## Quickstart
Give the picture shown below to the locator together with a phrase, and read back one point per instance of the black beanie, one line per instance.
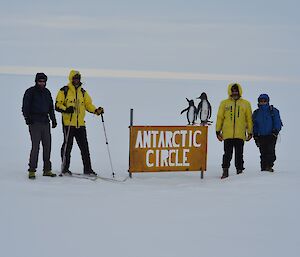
(40, 75)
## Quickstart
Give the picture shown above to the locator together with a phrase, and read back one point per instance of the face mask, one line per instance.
(263, 106)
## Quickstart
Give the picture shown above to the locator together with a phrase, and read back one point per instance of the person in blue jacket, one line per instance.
(266, 126)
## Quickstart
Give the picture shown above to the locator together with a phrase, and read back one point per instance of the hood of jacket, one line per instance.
(72, 74)
(264, 96)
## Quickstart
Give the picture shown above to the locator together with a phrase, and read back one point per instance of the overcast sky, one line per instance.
(221, 38)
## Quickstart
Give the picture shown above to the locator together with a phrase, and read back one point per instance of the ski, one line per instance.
(93, 178)
(84, 176)
(113, 179)
(80, 176)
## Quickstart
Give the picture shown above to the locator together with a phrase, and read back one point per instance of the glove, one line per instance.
(28, 121)
(99, 111)
(70, 109)
(249, 137)
(54, 124)
(275, 133)
(256, 141)
(219, 136)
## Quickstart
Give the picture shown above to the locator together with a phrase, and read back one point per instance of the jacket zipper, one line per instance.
(76, 104)
(234, 118)
(66, 104)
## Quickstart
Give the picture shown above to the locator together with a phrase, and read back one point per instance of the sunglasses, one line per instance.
(41, 81)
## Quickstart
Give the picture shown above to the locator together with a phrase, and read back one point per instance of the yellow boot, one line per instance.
(49, 174)
(31, 175)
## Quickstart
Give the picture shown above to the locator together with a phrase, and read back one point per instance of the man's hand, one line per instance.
(28, 121)
(70, 109)
(219, 136)
(54, 124)
(249, 137)
(275, 133)
(256, 141)
(99, 111)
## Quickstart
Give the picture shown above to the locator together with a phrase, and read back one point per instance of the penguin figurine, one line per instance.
(191, 112)
(204, 110)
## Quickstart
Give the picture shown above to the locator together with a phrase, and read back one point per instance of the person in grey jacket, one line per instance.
(37, 108)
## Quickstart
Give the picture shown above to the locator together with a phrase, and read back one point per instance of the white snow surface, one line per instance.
(151, 215)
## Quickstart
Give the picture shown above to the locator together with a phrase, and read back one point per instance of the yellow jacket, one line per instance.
(234, 117)
(78, 98)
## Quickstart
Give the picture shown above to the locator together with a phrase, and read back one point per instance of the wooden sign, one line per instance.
(167, 148)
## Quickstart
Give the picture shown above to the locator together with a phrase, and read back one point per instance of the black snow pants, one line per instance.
(266, 146)
(81, 138)
(238, 145)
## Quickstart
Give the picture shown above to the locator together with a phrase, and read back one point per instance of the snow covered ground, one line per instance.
(155, 215)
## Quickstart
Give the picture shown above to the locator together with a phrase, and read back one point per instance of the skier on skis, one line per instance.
(73, 101)
(266, 126)
(234, 126)
(37, 108)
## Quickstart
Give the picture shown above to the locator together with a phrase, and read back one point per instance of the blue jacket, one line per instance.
(38, 105)
(266, 121)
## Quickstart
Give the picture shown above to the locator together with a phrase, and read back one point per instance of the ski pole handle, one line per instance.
(102, 117)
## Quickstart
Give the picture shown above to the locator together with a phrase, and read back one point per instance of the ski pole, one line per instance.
(109, 155)
(66, 139)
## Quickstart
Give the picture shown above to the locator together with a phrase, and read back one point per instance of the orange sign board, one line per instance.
(167, 148)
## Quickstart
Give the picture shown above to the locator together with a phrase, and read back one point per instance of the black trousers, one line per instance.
(40, 132)
(238, 146)
(267, 151)
(81, 138)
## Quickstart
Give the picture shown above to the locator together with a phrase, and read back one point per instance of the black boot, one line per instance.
(270, 169)
(90, 172)
(239, 172)
(66, 173)
(225, 173)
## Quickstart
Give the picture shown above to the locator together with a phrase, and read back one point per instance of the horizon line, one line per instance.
(135, 74)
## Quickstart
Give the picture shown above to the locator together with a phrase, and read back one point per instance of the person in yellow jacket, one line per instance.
(73, 101)
(234, 126)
